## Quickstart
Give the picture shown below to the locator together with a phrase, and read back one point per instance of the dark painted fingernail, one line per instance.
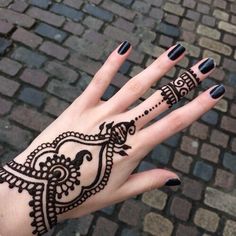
(173, 182)
(207, 65)
(124, 47)
(217, 91)
(176, 52)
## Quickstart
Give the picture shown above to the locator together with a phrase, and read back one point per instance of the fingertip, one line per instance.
(123, 48)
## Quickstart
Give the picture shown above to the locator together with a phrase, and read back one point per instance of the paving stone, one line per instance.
(188, 24)
(156, 13)
(13, 135)
(4, 46)
(66, 11)
(215, 46)
(192, 188)
(182, 162)
(5, 3)
(203, 8)
(94, 23)
(85, 47)
(230, 228)
(209, 32)
(219, 138)
(199, 130)
(110, 91)
(50, 32)
(229, 64)
(155, 198)
(27, 38)
(16, 18)
(9, 66)
(19, 6)
(84, 64)
(220, 3)
(125, 2)
(55, 106)
(27, 117)
(119, 10)
(34, 77)
(156, 224)
(119, 35)
(41, 3)
(229, 162)
(8, 87)
(173, 8)
(206, 219)
(5, 27)
(172, 19)
(5, 106)
(161, 153)
(132, 212)
(180, 208)
(98, 12)
(75, 226)
(233, 110)
(168, 30)
(210, 152)
(227, 27)
(141, 6)
(144, 165)
(188, 37)
(61, 72)
(63, 90)
(151, 49)
(193, 15)
(109, 210)
(203, 170)
(74, 28)
(228, 123)
(54, 50)
(218, 74)
(221, 15)
(32, 96)
(222, 105)
(233, 8)
(73, 3)
(30, 58)
(209, 20)
(220, 200)
(186, 230)
(46, 16)
(224, 179)
(189, 3)
(173, 141)
(130, 232)
(189, 145)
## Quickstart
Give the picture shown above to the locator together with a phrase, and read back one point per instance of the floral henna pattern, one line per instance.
(52, 179)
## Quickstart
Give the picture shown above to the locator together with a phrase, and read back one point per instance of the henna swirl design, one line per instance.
(178, 88)
(50, 177)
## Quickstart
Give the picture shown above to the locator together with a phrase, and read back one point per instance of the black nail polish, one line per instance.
(173, 182)
(176, 52)
(124, 47)
(207, 65)
(217, 91)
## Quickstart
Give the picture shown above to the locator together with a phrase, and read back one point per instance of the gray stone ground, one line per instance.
(51, 49)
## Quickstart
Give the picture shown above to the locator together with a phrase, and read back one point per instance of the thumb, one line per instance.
(145, 181)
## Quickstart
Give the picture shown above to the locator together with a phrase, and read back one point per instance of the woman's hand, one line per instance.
(84, 160)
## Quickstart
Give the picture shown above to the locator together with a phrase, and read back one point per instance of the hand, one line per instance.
(83, 161)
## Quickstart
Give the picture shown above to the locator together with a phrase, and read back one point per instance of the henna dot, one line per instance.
(139, 116)
(146, 112)
(136, 118)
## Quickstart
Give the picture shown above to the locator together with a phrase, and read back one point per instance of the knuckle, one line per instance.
(135, 87)
(176, 120)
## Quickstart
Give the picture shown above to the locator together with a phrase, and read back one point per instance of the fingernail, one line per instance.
(173, 182)
(217, 91)
(124, 47)
(176, 52)
(207, 65)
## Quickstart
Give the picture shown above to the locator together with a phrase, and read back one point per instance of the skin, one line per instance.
(85, 115)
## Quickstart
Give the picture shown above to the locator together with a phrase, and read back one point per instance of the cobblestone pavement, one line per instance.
(50, 50)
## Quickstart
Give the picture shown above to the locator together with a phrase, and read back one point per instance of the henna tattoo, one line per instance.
(49, 176)
(180, 87)
(52, 179)
(175, 90)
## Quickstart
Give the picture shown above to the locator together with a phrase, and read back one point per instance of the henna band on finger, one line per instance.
(180, 87)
